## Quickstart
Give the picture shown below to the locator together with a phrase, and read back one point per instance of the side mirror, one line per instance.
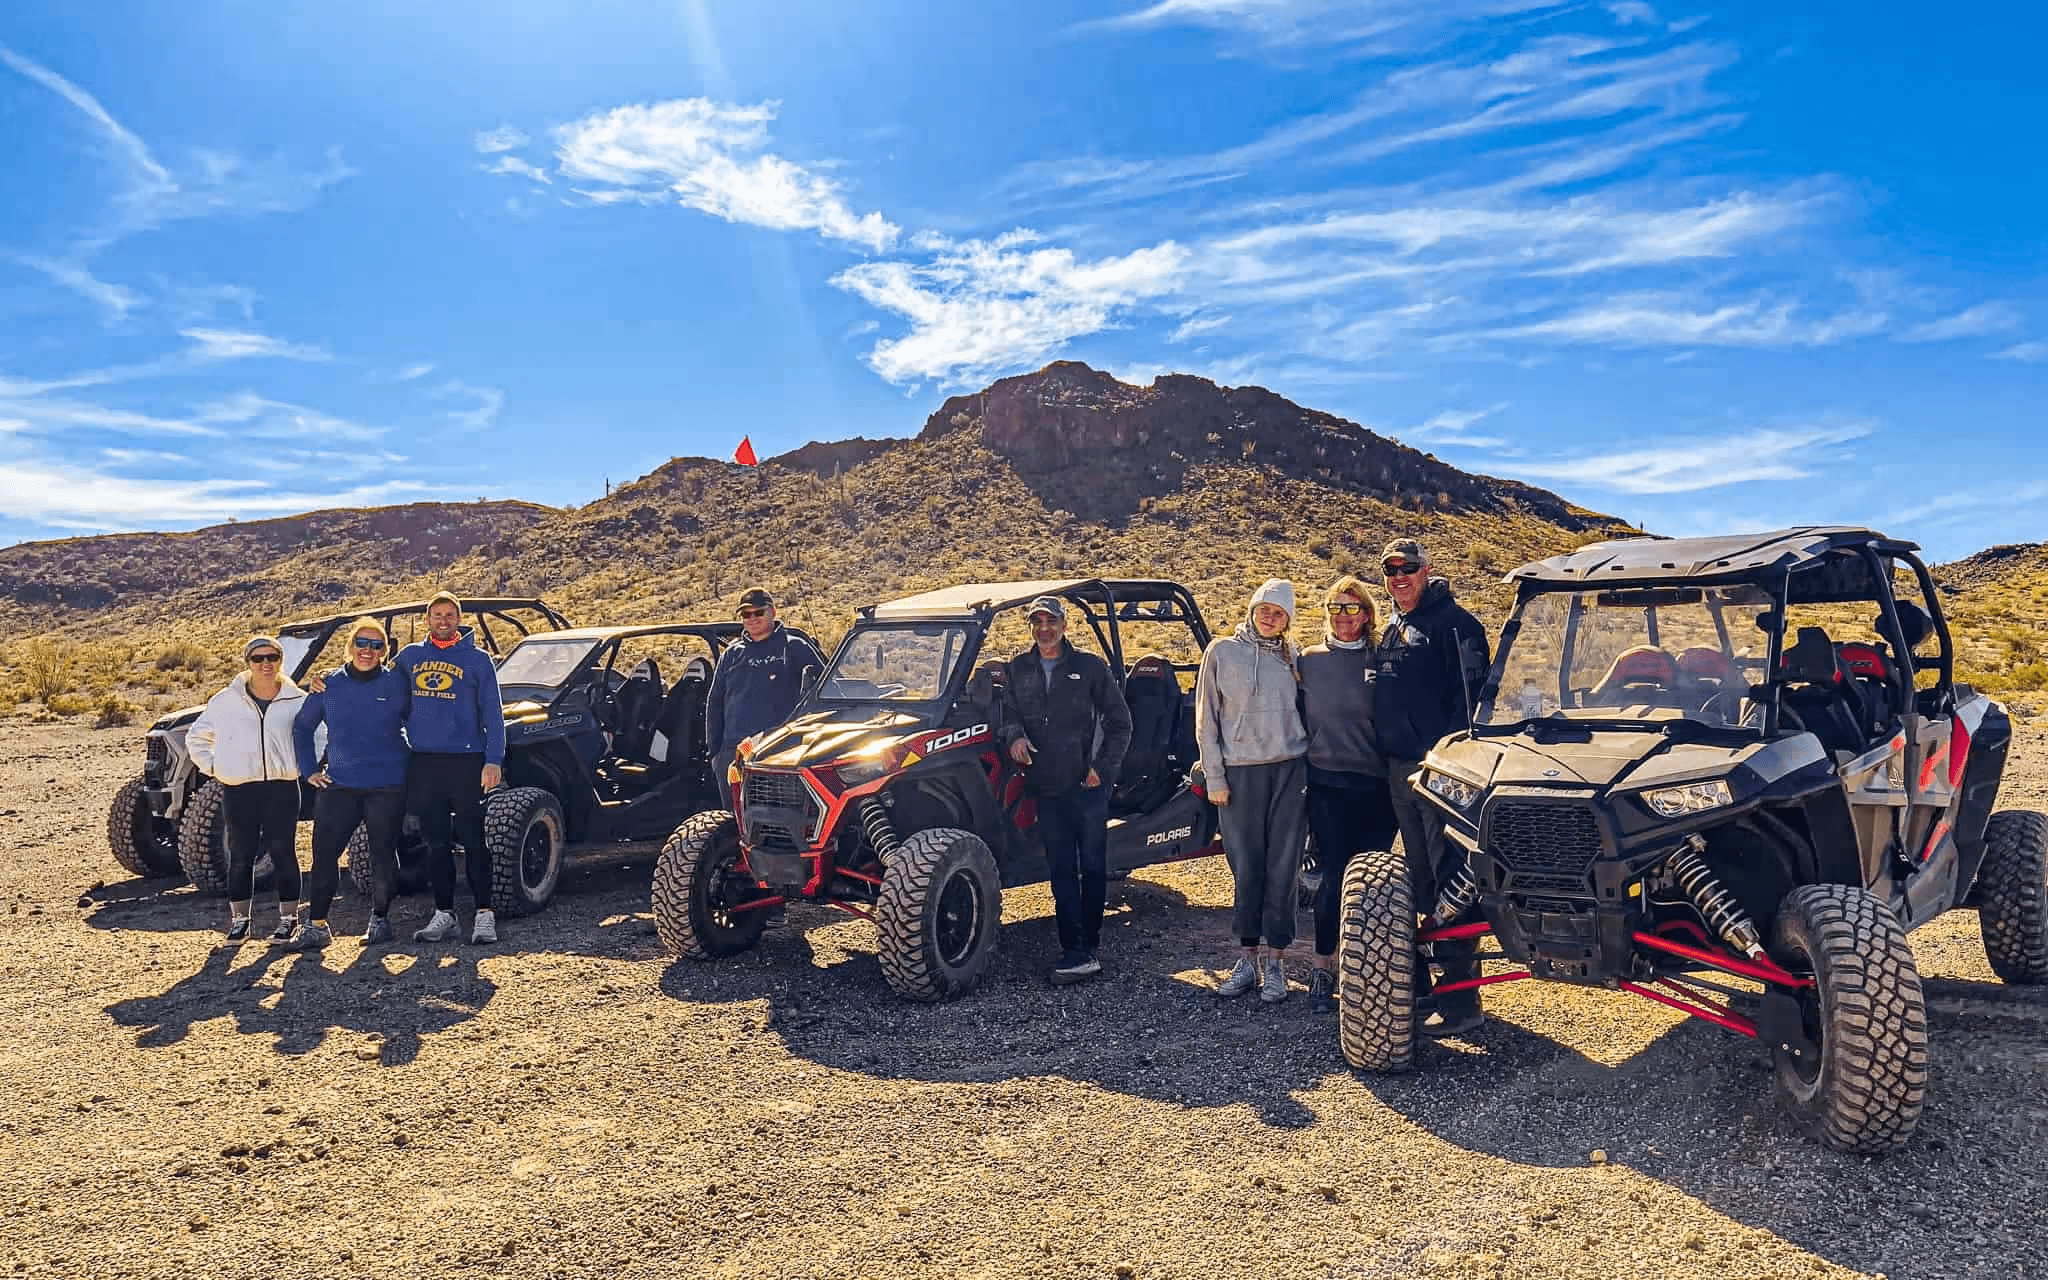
(808, 680)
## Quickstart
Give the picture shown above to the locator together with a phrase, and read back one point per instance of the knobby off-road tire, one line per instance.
(203, 843)
(411, 855)
(144, 844)
(696, 881)
(1376, 964)
(1865, 1011)
(2012, 896)
(940, 911)
(202, 840)
(524, 831)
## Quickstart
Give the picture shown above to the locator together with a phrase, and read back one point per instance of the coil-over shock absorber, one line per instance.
(1456, 894)
(881, 833)
(1715, 904)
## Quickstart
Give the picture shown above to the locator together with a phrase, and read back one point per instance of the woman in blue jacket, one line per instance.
(364, 705)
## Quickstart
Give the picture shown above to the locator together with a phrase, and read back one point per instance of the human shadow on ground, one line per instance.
(1694, 1109)
(392, 998)
(1151, 1026)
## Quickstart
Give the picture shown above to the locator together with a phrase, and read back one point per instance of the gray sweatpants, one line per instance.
(1265, 826)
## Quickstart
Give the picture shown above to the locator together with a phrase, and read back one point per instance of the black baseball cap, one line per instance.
(755, 598)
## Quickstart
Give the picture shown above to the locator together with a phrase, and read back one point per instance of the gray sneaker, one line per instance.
(1273, 989)
(1075, 966)
(309, 937)
(440, 928)
(486, 929)
(379, 932)
(1243, 977)
(286, 926)
(1322, 990)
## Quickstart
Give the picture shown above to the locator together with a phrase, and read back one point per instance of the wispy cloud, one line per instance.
(503, 138)
(2031, 352)
(1688, 463)
(982, 307)
(515, 167)
(1984, 318)
(1656, 319)
(116, 300)
(230, 344)
(413, 371)
(1632, 12)
(71, 496)
(709, 156)
(1449, 428)
(480, 412)
(1383, 24)
(1196, 325)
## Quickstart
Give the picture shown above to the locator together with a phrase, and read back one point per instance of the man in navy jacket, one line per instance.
(758, 681)
(457, 731)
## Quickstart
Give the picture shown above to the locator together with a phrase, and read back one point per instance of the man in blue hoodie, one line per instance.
(457, 732)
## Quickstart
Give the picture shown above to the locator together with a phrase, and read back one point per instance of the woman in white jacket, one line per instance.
(244, 740)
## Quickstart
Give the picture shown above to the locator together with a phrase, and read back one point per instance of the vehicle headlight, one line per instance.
(853, 773)
(1460, 793)
(1693, 797)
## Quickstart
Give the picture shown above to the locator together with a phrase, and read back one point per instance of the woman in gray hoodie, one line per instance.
(1248, 724)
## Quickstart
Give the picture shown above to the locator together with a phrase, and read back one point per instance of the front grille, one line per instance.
(159, 753)
(777, 790)
(774, 837)
(1546, 846)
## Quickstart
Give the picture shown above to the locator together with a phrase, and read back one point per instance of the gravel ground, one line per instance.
(568, 1103)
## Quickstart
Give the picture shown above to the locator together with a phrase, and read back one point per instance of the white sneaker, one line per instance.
(1274, 989)
(1242, 978)
(442, 927)
(486, 928)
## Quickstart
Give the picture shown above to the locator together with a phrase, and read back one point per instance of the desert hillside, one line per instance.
(1063, 470)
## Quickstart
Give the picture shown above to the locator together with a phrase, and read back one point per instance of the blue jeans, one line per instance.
(1074, 825)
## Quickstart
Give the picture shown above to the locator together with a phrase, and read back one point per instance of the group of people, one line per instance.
(1322, 740)
(422, 735)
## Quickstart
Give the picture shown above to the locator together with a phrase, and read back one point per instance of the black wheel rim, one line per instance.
(958, 923)
(726, 888)
(1807, 1067)
(535, 855)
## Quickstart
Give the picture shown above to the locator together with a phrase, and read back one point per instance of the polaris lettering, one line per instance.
(1168, 837)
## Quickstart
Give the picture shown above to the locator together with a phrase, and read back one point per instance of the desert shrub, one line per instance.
(1272, 530)
(68, 704)
(1484, 556)
(1321, 549)
(183, 655)
(113, 711)
(46, 668)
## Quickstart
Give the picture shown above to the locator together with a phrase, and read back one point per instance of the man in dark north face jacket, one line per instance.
(1059, 698)
(1433, 658)
(758, 681)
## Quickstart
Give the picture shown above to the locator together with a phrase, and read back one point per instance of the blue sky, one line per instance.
(1700, 265)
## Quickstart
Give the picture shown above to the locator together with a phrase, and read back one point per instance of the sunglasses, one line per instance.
(371, 643)
(255, 658)
(748, 615)
(1345, 609)
(1402, 570)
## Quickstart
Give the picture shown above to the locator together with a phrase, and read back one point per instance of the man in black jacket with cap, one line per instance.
(1433, 658)
(758, 682)
(1060, 699)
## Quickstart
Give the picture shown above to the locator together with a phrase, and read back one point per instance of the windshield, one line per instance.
(542, 663)
(296, 650)
(898, 664)
(1641, 653)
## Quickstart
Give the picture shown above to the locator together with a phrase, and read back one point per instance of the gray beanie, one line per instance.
(260, 642)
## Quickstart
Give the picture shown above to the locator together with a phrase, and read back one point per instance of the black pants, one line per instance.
(1349, 813)
(337, 812)
(263, 817)
(1265, 826)
(1425, 849)
(720, 762)
(1074, 826)
(445, 795)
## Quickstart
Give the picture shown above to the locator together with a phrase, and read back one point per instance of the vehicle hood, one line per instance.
(1602, 759)
(181, 719)
(824, 736)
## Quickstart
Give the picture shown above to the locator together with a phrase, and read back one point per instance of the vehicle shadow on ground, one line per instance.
(1150, 1027)
(393, 999)
(1693, 1108)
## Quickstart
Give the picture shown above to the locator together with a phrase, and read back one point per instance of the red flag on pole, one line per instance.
(744, 455)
